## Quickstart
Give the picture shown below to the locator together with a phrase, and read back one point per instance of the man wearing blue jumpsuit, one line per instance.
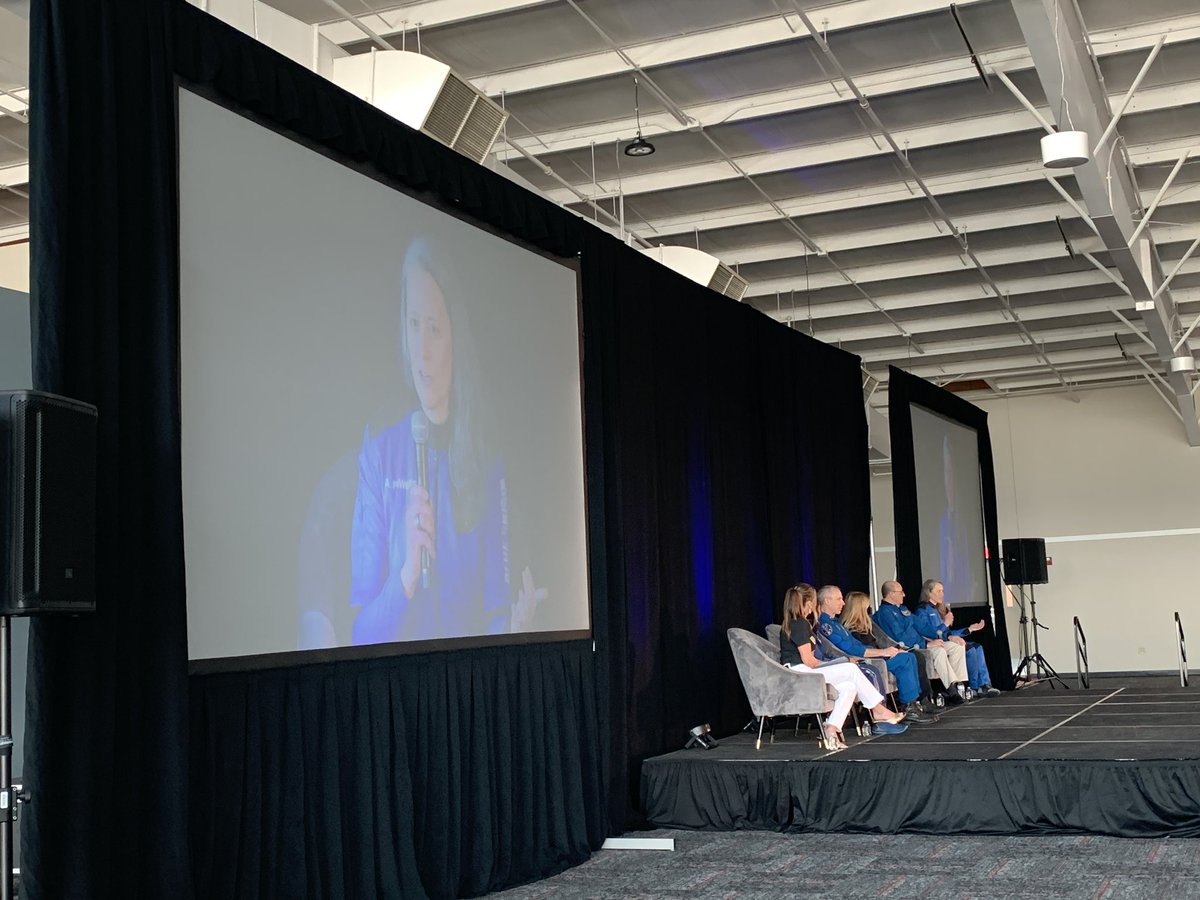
(901, 664)
(946, 659)
(930, 625)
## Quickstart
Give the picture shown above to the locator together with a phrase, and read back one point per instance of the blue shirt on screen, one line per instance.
(468, 590)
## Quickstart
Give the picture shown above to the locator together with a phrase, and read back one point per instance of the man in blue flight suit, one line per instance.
(947, 659)
(901, 664)
(930, 623)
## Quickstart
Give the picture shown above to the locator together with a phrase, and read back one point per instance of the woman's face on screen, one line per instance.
(430, 345)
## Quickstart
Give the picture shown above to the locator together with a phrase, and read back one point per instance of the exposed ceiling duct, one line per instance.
(426, 95)
(702, 268)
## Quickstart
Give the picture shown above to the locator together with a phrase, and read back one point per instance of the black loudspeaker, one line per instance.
(47, 504)
(1025, 561)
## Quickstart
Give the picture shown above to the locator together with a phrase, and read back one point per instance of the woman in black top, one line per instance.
(796, 646)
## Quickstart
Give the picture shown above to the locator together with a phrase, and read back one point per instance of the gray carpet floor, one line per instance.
(736, 865)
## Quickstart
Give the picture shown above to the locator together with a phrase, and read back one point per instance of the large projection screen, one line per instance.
(381, 412)
(949, 506)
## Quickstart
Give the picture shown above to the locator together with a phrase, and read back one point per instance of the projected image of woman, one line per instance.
(429, 541)
(959, 543)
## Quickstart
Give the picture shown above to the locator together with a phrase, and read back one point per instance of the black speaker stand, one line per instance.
(1033, 667)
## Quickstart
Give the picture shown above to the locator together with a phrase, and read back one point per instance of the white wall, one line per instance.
(14, 267)
(1099, 479)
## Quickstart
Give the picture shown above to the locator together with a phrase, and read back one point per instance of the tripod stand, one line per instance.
(1033, 666)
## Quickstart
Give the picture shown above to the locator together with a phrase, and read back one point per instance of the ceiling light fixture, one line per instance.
(1065, 149)
(640, 146)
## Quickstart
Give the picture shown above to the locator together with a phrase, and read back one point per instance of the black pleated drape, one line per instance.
(451, 774)
(739, 465)
(904, 390)
(726, 458)
(106, 728)
(1123, 798)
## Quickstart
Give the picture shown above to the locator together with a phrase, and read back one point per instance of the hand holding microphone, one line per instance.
(419, 524)
(418, 539)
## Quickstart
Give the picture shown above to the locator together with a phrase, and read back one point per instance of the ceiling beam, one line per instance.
(1018, 364)
(896, 191)
(1035, 379)
(426, 14)
(681, 48)
(929, 255)
(977, 344)
(929, 229)
(923, 296)
(879, 84)
(947, 321)
(933, 134)
(14, 176)
(926, 264)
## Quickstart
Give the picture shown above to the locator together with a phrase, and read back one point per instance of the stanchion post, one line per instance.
(7, 800)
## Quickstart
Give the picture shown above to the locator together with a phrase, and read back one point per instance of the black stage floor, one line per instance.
(1118, 758)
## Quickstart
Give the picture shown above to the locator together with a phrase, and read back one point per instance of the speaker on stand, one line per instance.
(47, 543)
(1025, 566)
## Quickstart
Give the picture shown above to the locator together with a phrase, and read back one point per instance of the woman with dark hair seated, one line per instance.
(796, 651)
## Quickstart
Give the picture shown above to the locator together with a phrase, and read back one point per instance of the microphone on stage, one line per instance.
(420, 434)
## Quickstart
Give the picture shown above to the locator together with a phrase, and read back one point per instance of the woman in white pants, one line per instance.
(796, 646)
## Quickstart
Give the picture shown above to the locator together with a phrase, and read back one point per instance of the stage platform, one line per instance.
(1121, 758)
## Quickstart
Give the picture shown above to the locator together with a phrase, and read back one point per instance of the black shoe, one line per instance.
(916, 717)
(987, 691)
(953, 698)
(928, 707)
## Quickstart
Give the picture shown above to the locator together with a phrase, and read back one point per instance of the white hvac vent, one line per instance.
(880, 447)
(701, 267)
(424, 94)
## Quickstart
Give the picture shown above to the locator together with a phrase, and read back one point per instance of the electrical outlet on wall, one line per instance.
(1141, 651)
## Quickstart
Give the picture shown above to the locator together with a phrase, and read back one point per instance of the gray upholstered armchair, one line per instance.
(773, 632)
(774, 689)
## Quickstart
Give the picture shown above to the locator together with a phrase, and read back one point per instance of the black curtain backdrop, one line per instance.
(738, 466)
(903, 390)
(726, 458)
(106, 733)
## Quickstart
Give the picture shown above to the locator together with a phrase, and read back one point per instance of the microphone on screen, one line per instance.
(420, 434)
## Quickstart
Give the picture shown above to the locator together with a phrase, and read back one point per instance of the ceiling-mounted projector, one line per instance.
(426, 95)
(1065, 149)
(702, 268)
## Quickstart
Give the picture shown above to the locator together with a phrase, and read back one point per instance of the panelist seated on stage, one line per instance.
(947, 660)
(901, 664)
(931, 623)
(856, 618)
(797, 651)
